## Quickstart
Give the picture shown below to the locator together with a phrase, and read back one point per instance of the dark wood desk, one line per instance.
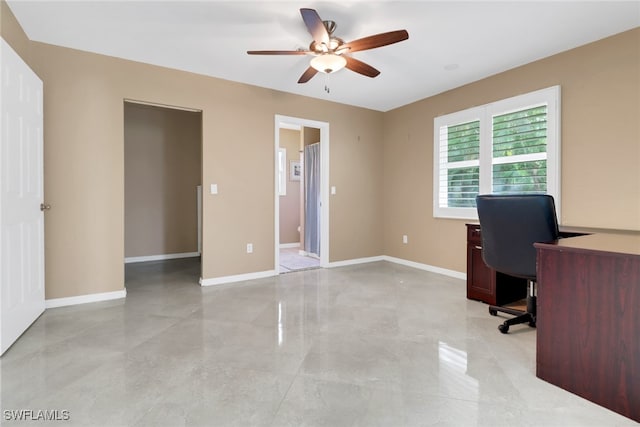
(588, 321)
(484, 283)
(489, 286)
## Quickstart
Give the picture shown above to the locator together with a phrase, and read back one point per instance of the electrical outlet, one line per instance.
(249, 248)
(405, 239)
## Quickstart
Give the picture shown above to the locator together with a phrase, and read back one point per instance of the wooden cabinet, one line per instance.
(480, 278)
(588, 324)
(485, 284)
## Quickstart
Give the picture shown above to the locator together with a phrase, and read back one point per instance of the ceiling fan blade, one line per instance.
(307, 75)
(315, 25)
(278, 52)
(378, 40)
(360, 67)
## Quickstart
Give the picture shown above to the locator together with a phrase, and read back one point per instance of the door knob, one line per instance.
(44, 207)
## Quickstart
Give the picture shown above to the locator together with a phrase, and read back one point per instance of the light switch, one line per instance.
(333, 189)
(214, 188)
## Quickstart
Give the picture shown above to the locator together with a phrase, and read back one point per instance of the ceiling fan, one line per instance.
(332, 53)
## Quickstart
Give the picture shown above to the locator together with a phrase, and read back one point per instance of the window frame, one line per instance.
(485, 113)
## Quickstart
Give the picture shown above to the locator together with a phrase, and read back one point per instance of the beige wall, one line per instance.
(84, 167)
(381, 163)
(310, 135)
(290, 204)
(162, 160)
(13, 34)
(600, 85)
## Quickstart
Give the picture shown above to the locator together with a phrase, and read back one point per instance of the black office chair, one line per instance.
(510, 225)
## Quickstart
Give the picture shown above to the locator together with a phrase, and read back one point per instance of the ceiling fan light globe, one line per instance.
(328, 63)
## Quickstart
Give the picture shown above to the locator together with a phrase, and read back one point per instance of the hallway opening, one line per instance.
(163, 176)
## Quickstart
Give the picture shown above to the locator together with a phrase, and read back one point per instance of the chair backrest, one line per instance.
(510, 225)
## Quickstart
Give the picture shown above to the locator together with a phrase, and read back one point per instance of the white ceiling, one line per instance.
(451, 43)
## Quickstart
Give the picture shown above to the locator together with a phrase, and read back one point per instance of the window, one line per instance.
(282, 171)
(509, 146)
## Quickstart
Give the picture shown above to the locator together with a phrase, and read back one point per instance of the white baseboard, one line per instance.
(426, 267)
(308, 254)
(160, 257)
(289, 245)
(237, 278)
(107, 296)
(84, 299)
(355, 261)
(419, 266)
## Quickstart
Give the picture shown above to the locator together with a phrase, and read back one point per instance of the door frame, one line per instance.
(286, 122)
(199, 187)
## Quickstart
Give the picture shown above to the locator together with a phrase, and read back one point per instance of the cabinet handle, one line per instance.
(478, 247)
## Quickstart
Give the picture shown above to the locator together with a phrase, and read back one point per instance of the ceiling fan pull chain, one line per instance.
(326, 84)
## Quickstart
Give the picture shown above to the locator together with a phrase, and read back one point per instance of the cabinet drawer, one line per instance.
(484, 283)
(473, 235)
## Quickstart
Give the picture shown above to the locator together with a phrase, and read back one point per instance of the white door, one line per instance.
(21, 195)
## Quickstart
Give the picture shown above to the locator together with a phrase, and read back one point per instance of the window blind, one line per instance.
(460, 159)
(519, 147)
(507, 146)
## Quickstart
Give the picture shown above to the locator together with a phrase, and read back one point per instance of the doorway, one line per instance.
(301, 187)
(163, 176)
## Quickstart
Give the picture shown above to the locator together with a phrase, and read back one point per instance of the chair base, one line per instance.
(528, 316)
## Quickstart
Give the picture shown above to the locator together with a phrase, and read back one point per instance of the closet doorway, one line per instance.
(163, 176)
(301, 231)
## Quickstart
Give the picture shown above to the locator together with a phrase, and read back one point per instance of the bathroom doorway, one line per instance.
(301, 231)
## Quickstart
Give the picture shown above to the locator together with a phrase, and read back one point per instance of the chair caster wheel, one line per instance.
(503, 328)
(493, 312)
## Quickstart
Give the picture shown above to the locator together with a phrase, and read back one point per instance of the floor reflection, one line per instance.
(370, 344)
(453, 376)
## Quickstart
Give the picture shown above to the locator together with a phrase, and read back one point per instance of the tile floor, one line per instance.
(369, 345)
